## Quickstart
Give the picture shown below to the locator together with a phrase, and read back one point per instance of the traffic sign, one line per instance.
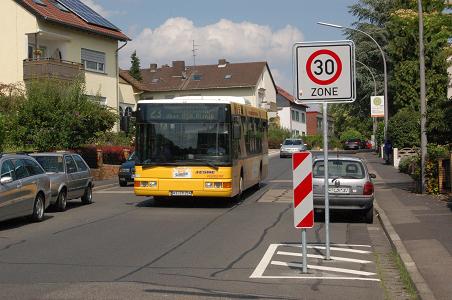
(302, 190)
(377, 106)
(324, 72)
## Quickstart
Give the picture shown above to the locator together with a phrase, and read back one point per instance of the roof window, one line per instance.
(40, 2)
(228, 76)
(196, 77)
(59, 6)
(155, 80)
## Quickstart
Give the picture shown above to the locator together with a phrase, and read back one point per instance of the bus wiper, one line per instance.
(202, 162)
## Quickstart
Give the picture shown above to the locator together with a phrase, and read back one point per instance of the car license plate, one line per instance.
(181, 193)
(339, 190)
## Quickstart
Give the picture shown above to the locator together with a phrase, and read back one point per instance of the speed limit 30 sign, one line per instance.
(324, 71)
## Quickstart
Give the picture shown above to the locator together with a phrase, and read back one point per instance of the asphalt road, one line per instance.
(127, 247)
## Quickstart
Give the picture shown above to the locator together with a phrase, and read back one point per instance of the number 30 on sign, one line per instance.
(325, 71)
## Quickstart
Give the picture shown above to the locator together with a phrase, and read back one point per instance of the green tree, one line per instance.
(135, 66)
(404, 128)
(53, 117)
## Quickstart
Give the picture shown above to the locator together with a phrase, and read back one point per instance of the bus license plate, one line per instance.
(181, 193)
(340, 190)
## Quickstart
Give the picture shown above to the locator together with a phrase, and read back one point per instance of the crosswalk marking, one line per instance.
(359, 261)
(330, 269)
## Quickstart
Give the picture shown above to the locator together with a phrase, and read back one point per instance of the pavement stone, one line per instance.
(421, 222)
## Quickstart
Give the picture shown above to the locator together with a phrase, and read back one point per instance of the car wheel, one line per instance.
(369, 215)
(87, 198)
(38, 209)
(61, 201)
(122, 183)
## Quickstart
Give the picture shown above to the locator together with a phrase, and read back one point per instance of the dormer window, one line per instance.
(197, 77)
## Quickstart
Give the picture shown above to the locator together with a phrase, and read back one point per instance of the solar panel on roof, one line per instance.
(87, 14)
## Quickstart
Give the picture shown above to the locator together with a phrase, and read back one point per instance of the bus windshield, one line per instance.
(183, 133)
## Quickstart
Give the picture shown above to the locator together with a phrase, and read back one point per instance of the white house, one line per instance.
(291, 115)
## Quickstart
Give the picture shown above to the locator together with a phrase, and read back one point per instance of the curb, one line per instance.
(103, 187)
(423, 290)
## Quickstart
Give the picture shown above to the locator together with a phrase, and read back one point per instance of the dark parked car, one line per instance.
(350, 185)
(127, 171)
(24, 187)
(70, 177)
(353, 144)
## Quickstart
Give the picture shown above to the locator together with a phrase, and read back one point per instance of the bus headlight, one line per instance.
(151, 184)
(218, 185)
(209, 185)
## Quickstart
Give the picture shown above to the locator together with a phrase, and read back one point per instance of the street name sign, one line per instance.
(324, 72)
(302, 190)
(377, 106)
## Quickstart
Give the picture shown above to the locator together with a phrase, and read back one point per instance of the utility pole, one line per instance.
(194, 49)
(423, 99)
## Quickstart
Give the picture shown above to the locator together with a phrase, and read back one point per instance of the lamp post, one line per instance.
(422, 94)
(374, 123)
(384, 67)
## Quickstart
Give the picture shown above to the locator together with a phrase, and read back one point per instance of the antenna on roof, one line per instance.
(194, 54)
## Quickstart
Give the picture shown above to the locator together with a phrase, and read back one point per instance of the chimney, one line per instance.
(153, 68)
(178, 67)
(222, 62)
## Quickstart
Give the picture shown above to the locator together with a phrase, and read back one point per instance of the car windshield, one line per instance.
(293, 142)
(51, 163)
(347, 169)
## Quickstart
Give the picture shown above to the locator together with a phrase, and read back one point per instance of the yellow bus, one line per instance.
(199, 146)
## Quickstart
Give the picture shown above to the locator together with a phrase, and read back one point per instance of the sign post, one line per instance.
(303, 198)
(324, 73)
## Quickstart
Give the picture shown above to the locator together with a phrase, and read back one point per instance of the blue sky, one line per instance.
(238, 30)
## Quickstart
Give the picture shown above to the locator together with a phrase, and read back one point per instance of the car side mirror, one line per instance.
(6, 180)
(372, 175)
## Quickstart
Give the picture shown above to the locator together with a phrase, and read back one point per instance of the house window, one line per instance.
(303, 118)
(297, 116)
(99, 99)
(293, 115)
(93, 60)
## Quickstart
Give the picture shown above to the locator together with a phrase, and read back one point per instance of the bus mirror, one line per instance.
(236, 132)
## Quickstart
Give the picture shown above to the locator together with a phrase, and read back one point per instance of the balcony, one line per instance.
(45, 68)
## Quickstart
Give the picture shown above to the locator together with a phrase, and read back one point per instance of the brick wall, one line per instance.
(311, 122)
(105, 172)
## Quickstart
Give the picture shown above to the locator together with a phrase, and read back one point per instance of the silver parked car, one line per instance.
(350, 185)
(70, 177)
(290, 146)
(24, 187)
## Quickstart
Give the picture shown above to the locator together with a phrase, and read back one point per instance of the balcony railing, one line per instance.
(51, 68)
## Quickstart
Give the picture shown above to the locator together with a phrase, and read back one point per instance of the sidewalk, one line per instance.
(424, 225)
(104, 184)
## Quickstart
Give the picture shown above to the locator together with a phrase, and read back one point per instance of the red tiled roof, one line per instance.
(174, 78)
(288, 96)
(51, 13)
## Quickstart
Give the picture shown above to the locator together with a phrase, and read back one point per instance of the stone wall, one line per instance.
(106, 172)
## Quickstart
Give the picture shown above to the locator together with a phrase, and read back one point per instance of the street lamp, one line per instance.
(374, 123)
(384, 67)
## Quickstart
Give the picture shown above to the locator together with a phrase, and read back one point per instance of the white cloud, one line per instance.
(237, 42)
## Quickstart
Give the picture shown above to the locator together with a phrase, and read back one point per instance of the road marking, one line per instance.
(359, 261)
(272, 251)
(323, 268)
(335, 249)
(265, 261)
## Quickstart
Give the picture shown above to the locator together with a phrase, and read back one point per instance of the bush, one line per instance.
(113, 138)
(314, 141)
(58, 115)
(113, 155)
(404, 129)
(89, 154)
(276, 136)
(350, 134)
(409, 164)
(2, 133)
